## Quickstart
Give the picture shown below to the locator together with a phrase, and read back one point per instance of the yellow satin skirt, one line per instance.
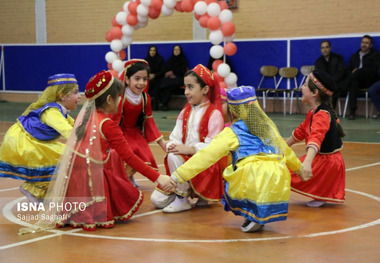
(259, 188)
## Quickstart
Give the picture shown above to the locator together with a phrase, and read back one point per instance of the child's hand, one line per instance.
(170, 146)
(306, 173)
(183, 149)
(167, 183)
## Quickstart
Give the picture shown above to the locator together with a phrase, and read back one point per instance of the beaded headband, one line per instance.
(320, 85)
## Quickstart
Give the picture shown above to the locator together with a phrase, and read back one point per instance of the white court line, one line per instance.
(9, 189)
(8, 214)
(362, 166)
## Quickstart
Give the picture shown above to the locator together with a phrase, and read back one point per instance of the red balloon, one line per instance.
(109, 36)
(196, 16)
(187, 5)
(114, 23)
(223, 5)
(154, 13)
(228, 29)
(222, 85)
(109, 65)
(132, 19)
(132, 8)
(216, 64)
(210, 1)
(116, 32)
(114, 73)
(230, 49)
(122, 54)
(213, 23)
(178, 7)
(203, 20)
(156, 4)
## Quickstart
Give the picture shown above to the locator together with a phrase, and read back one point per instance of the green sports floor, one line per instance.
(359, 130)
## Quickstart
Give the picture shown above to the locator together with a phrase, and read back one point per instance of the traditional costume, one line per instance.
(91, 171)
(196, 126)
(136, 121)
(31, 149)
(257, 183)
(320, 131)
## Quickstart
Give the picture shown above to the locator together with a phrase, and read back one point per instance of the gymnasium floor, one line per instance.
(333, 233)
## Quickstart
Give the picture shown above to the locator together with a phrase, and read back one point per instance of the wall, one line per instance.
(87, 21)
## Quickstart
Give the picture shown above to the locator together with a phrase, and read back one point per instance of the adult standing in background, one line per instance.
(157, 71)
(332, 64)
(362, 71)
(173, 79)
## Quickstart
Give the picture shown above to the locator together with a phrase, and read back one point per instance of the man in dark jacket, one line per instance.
(362, 71)
(332, 64)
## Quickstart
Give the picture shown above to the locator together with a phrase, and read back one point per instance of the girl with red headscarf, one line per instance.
(199, 121)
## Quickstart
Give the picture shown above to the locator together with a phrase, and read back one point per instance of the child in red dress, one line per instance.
(323, 163)
(199, 121)
(135, 114)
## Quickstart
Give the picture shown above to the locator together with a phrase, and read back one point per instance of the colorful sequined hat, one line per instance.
(241, 95)
(98, 84)
(63, 78)
(205, 74)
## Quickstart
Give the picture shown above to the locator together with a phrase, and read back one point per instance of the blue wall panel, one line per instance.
(27, 67)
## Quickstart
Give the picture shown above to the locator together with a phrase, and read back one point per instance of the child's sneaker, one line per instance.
(250, 226)
(179, 205)
(315, 203)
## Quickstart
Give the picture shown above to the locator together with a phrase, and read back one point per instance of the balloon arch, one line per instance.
(211, 14)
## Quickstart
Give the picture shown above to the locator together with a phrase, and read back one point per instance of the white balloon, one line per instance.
(111, 56)
(170, 3)
(116, 45)
(125, 6)
(229, 38)
(166, 11)
(142, 24)
(231, 79)
(216, 51)
(126, 40)
(232, 86)
(142, 10)
(121, 18)
(213, 9)
(216, 36)
(225, 16)
(118, 65)
(146, 2)
(142, 19)
(200, 8)
(127, 30)
(224, 70)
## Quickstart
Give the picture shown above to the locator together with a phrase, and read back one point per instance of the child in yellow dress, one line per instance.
(257, 183)
(30, 149)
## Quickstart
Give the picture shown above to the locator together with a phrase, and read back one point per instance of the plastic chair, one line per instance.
(365, 91)
(305, 71)
(267, 72)
(286, 73)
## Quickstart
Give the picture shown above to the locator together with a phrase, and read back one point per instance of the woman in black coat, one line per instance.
(172, 82)
(157, 71)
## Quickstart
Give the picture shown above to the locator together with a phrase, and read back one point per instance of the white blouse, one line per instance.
(215, 125)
